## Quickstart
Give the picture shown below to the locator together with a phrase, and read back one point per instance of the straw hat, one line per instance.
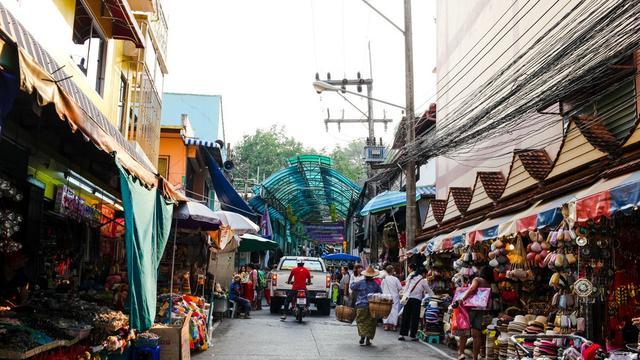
(370, 272)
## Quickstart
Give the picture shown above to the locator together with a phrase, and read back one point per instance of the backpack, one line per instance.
(262, 280)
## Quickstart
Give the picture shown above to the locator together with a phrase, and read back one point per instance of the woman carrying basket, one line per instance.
(366, 323)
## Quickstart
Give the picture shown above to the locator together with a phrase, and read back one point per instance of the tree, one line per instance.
(348, 160)
(266, 149)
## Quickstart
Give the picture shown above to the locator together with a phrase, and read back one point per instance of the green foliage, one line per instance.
(267, 149)
(348, 160)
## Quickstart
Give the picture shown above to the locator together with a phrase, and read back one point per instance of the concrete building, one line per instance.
(114, 51)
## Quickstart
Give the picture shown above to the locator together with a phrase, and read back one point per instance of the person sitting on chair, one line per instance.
(235, 294)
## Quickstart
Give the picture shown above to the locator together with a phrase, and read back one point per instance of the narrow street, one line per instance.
(318, 337)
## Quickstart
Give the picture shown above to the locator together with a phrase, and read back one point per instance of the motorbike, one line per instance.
(301, 307)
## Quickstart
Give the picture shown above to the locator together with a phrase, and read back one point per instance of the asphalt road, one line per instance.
(265, 337)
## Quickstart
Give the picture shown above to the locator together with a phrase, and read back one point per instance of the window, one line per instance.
(312, 265)
(88, 47)
(163, 166)
(122, 103)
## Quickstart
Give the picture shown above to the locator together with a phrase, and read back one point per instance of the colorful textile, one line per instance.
(366, 323)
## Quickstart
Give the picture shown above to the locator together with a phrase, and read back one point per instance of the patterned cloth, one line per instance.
(366, 323)
(364, 288)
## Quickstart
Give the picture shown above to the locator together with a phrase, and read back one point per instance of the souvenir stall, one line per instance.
(66, 277)
(607, 224)
(58, 290)
(180, 306)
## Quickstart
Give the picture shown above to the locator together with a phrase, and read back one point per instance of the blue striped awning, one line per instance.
(393, 199)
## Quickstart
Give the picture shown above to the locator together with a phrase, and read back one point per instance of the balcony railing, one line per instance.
(159, 28)
(145, 108)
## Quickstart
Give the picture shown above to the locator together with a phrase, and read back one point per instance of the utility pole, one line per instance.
(411, 127)
(370, 120)
(371, 140)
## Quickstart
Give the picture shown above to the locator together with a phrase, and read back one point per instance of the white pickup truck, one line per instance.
(317, 292)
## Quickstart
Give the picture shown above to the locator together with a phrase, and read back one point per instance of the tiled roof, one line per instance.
(493, 183)
(462, 198)
(536, 162)
(596, 133)
(439, 207)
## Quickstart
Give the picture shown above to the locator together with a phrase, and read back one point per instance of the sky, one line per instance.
(261, 56)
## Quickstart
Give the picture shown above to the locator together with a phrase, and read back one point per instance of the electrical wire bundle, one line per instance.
(574, 55)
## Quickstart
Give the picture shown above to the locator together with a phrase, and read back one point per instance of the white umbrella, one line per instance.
(240, 224)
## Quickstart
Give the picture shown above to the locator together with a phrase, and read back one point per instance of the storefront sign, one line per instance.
(74, 207)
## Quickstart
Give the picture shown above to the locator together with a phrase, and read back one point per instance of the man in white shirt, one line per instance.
(417, 288)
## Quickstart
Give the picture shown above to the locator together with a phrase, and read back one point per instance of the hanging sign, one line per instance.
(74, 207)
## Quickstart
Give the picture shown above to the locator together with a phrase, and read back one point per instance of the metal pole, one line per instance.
(410, 121)
(173, 262)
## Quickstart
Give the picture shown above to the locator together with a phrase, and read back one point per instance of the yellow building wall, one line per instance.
(56, 36)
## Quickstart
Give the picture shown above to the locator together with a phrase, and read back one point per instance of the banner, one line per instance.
(332, 233)
(266, 230)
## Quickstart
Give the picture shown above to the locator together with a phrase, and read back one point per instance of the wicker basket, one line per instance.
(345, 314)
(380, 309)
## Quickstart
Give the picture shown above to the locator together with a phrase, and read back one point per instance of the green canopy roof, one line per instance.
(310, 187)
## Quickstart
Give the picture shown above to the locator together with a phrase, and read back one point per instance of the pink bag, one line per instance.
(460, 319)
(480, 300)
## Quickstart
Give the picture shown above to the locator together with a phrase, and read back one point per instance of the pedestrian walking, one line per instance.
(414, 291)
(252, 279)
(392, 286)
(343, 286)
(355, 277)
(366, 323)
(261, 285)
(479, 318)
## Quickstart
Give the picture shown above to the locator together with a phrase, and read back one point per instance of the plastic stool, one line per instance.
(154, 351)
(433, 339)
(233, 308)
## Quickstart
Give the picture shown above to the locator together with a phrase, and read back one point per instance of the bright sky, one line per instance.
(262, 56)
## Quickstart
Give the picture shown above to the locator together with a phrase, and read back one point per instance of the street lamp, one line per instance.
(321, 86)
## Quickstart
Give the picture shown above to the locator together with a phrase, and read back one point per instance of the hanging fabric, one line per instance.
(148, 224)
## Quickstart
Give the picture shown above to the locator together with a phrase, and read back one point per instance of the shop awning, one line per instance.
(542, 214)
(229, 198)
(489, 229)
(393, 199)
(41, 75)
(608, 196)
(251, 243)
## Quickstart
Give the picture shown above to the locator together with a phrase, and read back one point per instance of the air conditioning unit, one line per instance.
(374, 153)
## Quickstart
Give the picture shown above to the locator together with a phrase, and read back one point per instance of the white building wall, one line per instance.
(462, 68)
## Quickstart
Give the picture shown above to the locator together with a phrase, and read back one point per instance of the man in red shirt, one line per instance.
(301, 278)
